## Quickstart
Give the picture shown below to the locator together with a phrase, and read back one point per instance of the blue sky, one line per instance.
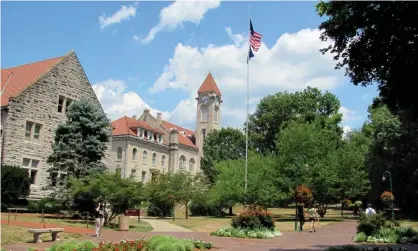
(131, 70)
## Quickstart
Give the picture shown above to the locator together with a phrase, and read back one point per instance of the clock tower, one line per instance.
(209, 100)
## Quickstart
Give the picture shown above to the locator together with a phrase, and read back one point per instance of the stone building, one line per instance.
(34, 99)
(146, 145)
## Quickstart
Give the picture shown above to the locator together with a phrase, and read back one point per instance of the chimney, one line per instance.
(146, 112)
(134, 117)
(159, 115)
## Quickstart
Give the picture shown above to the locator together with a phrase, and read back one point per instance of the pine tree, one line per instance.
(81, 142)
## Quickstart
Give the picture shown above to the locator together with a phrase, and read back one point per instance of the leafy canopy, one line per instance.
(15, 183)
(81, 142)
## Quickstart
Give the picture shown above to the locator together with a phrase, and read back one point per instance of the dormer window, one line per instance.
(155, 137)
(140, 132)
(150, 135)
(146, 134)
(160, 138)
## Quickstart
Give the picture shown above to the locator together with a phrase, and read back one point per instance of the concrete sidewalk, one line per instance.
(163, 226)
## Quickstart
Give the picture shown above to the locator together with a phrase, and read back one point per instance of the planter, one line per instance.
(124, 223)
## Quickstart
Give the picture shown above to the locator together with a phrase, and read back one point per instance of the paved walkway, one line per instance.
(331, 235)
(162, 226)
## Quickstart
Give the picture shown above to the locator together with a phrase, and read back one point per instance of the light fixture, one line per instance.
(383, 179)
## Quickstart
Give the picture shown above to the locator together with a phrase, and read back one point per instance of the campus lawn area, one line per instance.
(15, 234)
(50, 219)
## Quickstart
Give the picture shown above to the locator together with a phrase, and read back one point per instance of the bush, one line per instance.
(169, 243)
(370, 224)
(260, 233)
(253, 219)
(50, 205)
(15, 183)
(202, 206)
(159, 210)
(360, 237)
(201, 244)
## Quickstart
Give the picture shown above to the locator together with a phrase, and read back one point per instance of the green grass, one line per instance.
(15, 234)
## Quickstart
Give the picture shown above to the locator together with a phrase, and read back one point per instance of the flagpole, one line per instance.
(248, 104)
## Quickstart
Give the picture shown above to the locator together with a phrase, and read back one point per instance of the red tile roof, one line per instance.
(209, 85)
(183, 139)
(16, 79)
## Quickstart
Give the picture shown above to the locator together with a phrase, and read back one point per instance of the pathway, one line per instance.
(331, 235)
(162, 226)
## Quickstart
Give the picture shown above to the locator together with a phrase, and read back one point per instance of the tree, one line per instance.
(159, 194)
(262, 182)
(224, 144)
(118, 193)
(376, 42)
(275, 112)
(81, 142)
(15, 183)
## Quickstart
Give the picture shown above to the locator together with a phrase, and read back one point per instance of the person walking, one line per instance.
(313, 216)
(99, 218)
(370, 210)
(301, 216)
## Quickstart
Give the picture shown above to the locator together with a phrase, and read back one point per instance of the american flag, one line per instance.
(255, 38)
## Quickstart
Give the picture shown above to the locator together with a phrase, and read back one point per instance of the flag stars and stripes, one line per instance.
(255, 38)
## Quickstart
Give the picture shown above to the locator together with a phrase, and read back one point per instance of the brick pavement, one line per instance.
(331, 235)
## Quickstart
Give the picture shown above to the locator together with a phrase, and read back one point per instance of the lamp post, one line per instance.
(391, 190)
(296, 203)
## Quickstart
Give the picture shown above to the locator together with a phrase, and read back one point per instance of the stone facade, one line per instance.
(30, 119)
(180, 148)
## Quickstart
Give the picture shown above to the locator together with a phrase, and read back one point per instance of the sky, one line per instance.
(156, 55)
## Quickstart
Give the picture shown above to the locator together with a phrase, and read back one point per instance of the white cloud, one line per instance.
(346, 130)
(124, 13)
(348, 115)
(178, 13)
(237, 38)
(279, 68)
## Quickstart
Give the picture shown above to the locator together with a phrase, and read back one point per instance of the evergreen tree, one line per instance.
(81, 142)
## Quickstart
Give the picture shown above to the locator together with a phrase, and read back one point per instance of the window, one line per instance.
(134, 153)
(154, 159)
(61, 101)
(63, 104)
(143, 176)
(216, 114)
(58, 178)
(150, 135)
(160, 138)
(33, 132)
(119, 153)
(141, 132)
(155, 137)
(32, 166)
(162, 160)
(182, 162)
(144, 157)
(204, 133)
(205, 113)
(146, 134)
(191, 165)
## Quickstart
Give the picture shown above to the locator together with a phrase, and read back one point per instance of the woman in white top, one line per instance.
(313, 216)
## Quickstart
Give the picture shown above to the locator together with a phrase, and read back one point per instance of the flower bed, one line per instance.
(160, 243)
(260, 233)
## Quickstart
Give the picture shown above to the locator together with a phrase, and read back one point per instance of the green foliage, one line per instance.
(360, 237)
(49, 205)
(261, 233)
(370, 224)
(15, 183)
(224, 144)
(120, 193)
(73, 245)
(164, 242)
(81, 142)
(253, 219)
(204, 205)
(275, 112)
(344, 248)
(200, 244)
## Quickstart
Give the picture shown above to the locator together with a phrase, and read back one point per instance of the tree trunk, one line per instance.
(187, 210)
(230, 211)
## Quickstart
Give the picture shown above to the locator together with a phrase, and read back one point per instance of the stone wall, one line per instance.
(39, 104)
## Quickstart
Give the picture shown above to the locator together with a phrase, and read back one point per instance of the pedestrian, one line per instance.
(370, 210)
(99, 218)
(301, 216)
(356, 210)
(313, 216)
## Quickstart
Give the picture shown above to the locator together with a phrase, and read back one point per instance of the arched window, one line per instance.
(119, 153)
(144, 157)
(162, 160)
(182, 162)
(154, 159)
(191, 165)
(134, 154)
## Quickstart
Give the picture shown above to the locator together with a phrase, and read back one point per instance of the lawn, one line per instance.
(14, 234)
(49, 219)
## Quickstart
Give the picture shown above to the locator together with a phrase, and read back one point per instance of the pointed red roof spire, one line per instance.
(209, 85)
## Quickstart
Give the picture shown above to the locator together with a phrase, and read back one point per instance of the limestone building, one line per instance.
(146, 145)
(34, 99)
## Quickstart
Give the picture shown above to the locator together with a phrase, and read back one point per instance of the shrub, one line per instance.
(162, 243)
(159, 210)
(252, 219)
(50, 205)
(201, 244)
(260, 233)
(360, 237)
(15, 183)
(370, 224)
